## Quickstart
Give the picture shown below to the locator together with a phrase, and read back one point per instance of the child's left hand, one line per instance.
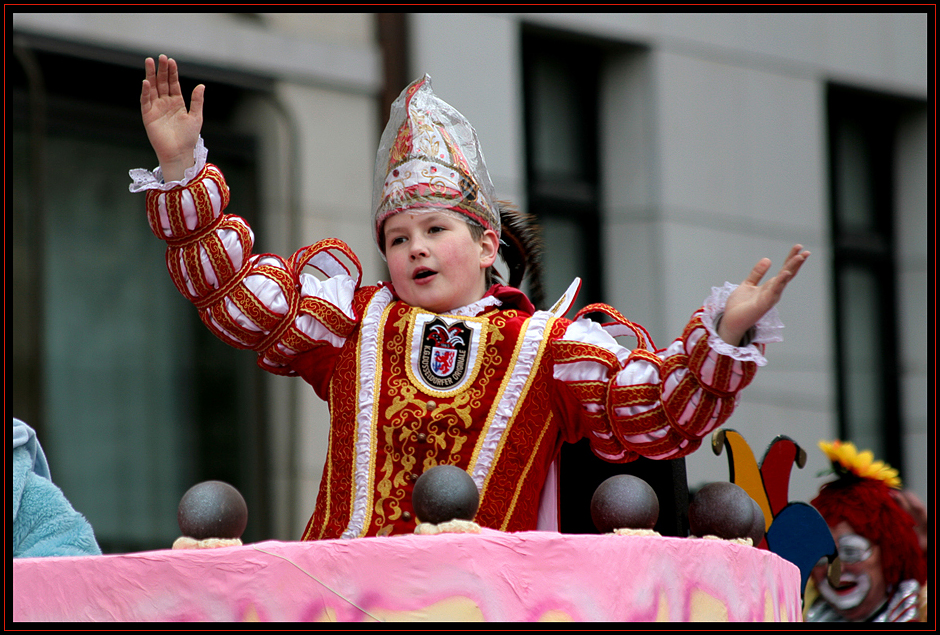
(749, 302)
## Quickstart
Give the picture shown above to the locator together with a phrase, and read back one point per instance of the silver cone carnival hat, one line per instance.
(429, 159)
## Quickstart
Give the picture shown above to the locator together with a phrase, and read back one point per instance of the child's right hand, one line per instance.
(173, 132)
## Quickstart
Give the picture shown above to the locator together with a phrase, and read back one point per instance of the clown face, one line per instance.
(862, 587)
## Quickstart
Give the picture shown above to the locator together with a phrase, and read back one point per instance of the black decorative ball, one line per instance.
(212, 509)
(758, 527)
(445, 493)
(721, 509)
(624, 502)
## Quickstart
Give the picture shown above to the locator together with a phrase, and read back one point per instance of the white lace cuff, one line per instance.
(146, 180)
(766, 330)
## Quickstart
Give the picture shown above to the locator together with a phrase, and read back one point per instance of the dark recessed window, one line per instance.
(862, 132)
(133, 399)
(562, 82)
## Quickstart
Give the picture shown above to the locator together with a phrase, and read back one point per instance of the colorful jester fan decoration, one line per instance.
(795, 531)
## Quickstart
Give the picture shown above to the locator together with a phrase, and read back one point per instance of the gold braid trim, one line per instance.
(328, 315)
(254, 309)
(176, 274)
(219, 294)
(198, 234)
(285, 331)
(672, 364)
(286, 321)
(227, 285)
(303, 256)
(206, 218)
(152, 204)
(723, 373)
(206, 295)
(227, 325)
(193, 265)
(644, 341)
(638, 395)
(173, 200)
(564, 351)
(589, 391)
(174, 211)
(643, 423)
(218, 257)
(633, 395)
(522, 479)
(670, 443)
(214, 174)
(649, 356)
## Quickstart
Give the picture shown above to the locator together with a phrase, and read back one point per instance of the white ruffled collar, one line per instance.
(478, 307)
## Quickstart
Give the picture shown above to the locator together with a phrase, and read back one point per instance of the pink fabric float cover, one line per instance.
(494, 576)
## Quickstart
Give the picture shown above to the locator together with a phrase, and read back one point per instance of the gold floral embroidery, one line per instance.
(446, 425)
(525, 473)
(519, 482)
(494, 365)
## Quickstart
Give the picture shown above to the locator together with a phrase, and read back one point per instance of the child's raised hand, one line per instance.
(173, 132)
(749, 302)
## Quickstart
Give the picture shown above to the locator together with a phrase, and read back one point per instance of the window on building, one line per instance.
(561, 83)
(562, 77)
(133, 399)
(862, 132)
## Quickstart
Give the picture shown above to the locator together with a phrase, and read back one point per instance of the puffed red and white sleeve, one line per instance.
(657, 404)
(260, 302)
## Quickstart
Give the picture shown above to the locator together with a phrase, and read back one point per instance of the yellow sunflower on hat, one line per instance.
(847, 460)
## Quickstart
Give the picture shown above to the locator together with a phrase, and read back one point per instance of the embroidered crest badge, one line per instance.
(444, 353)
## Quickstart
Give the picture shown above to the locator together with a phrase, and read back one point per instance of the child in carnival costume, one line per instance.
(884, 568)
(440, 366)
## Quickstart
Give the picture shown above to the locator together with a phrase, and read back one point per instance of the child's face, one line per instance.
(434, 261)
